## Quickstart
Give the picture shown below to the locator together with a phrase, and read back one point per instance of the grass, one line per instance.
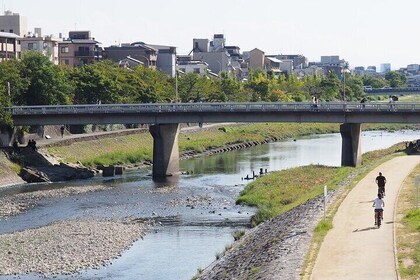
(408, 230)
(281, 191)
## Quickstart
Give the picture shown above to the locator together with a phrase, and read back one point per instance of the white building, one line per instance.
(47, 45)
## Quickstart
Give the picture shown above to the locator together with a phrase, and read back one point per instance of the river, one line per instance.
(197, 211)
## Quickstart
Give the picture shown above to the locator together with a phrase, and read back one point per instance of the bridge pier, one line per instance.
(351, 154)
(165, 149)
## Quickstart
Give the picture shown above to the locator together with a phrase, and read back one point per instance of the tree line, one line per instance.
(35, 80)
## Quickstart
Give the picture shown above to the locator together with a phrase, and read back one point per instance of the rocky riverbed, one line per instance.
(67, 247)
(63, 247)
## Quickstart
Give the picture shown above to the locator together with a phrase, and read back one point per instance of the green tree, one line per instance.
(12, 82)
(330, 87)
(396, 79)
(47, 82)
(374, 82)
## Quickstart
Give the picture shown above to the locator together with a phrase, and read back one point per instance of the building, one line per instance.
(312, 70)
(299, 61)
(13, 23)
(331, 64)
(359, 70)
(47, 45)
(79, 49)
(137, 50)
(10, 46)
(413, 69)
(385, 67)
(166, 59)
(185, 65)
(256, 59)
(213, 53)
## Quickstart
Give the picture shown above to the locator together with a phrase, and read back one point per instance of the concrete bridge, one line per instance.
(164, 120)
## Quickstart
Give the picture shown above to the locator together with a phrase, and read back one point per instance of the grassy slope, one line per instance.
(408, 230)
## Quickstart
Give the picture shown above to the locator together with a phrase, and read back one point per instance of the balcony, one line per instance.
(84, 53)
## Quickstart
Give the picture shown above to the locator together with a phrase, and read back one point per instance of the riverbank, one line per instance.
(278, 248)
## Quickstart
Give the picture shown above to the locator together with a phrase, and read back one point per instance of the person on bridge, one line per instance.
(381, 181)
(378, 203)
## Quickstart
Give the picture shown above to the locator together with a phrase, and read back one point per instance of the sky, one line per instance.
(363, 32)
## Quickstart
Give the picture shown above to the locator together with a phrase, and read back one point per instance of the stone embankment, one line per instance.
(228, 148)
(274, 249)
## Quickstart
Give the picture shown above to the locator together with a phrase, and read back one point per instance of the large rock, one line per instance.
(33, 176)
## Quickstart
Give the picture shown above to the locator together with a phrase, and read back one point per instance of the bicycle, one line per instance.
(378, 217)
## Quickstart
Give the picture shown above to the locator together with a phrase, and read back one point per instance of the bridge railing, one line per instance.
(213, 107)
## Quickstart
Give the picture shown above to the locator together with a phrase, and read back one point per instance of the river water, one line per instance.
(198, 211)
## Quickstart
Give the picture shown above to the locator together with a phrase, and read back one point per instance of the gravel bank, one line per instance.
(67, 247)
(64, 247)
(16, 204)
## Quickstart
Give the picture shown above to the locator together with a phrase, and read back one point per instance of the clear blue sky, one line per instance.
(364, 32)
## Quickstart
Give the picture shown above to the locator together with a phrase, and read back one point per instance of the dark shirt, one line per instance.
(380, 180)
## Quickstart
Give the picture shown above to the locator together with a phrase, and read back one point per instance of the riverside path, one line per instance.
(354, 248)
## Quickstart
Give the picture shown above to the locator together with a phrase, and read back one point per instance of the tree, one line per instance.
(12, 82)
(396, 79)
(47, 82)
(330, 87)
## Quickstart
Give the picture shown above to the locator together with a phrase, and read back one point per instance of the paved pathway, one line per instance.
(355, 248)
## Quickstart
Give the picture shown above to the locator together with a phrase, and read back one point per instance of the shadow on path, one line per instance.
(365, 229)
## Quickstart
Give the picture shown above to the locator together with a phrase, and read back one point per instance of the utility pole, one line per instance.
(176, 85)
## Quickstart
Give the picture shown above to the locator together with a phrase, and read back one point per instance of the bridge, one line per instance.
(393, 91)
(164, 120)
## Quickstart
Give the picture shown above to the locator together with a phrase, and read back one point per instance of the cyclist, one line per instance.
(378, 203)
(381, 181)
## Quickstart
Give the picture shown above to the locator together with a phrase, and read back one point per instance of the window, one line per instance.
(31, 46)
(66, 62)
(197, 70)
(65, 49)
(11, 31)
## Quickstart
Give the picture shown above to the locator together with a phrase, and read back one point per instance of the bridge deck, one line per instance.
(329, 112)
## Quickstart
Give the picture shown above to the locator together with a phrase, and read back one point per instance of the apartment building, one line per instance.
(47, 45)
(10, 46)
(137, 50)
(79, 49)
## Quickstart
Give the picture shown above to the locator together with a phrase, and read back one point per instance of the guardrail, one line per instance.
(212, 107)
